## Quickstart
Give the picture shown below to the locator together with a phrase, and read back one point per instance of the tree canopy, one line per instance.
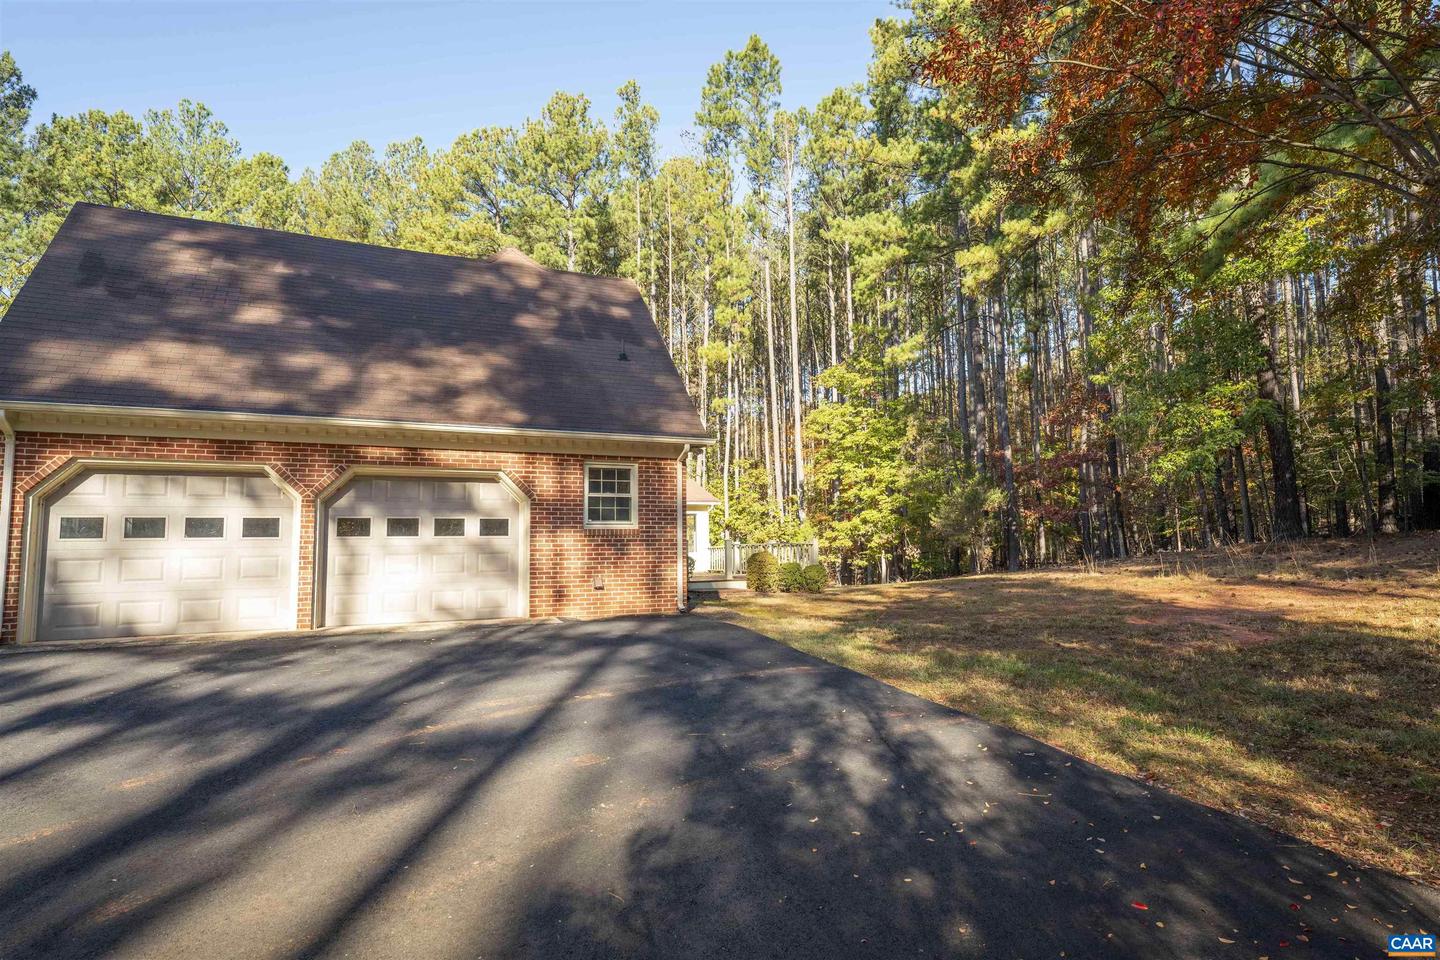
(1061, 280)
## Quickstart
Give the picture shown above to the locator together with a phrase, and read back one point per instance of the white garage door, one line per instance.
(410, 550)
(146, 554)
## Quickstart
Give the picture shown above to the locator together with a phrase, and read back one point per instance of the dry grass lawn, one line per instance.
(1296, 686)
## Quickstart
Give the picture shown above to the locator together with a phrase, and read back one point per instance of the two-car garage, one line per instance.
(150, 553)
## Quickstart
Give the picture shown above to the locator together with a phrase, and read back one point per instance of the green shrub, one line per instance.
(762, 572)
(814, 578)
(792, 577)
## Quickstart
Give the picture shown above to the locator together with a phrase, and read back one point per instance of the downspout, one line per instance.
(7, 498)
(682, 594)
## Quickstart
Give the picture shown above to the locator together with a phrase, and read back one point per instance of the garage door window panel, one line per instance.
(204, 528)
(82, 528)
(450, 526)
(402, 527)
(610, 495)
(495, 526)
(352, 527)
(260, 528)
(144, 528)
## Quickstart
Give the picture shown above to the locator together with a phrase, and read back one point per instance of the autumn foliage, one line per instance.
(1177, 102)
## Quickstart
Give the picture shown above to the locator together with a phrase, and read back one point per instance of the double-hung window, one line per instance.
(610, 495)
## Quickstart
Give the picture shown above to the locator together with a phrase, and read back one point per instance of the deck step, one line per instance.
(712, 586)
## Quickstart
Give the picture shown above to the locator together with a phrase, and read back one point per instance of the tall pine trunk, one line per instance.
(834, 314)
(1385, 501)
(975, 335)
(1242, 482)
(963, 365)
(795, 409)
(1285, 521)
(1007, 458)
(849, 302)
(776, 461)
(639, 233)
(731, 402)
(1092, 543)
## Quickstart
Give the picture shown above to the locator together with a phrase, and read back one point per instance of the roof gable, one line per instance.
(141, 310)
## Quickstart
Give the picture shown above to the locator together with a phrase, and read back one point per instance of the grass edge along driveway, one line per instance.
(1299, 688)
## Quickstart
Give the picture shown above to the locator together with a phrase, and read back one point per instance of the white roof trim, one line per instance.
(34, 415)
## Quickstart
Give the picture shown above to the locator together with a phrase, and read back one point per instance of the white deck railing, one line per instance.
(728, 560)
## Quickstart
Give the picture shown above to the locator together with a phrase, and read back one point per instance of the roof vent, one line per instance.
(513, 257)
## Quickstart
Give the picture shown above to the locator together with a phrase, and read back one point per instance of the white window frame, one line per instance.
(634, 520)
(256, 536)
(164, 526)
(185, 527)
(82, 516)
(401, 536)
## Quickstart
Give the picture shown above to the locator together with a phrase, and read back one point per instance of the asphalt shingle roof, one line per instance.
(697, 494)
(141, 310)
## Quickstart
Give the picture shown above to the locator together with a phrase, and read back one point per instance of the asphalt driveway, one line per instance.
(664, 787)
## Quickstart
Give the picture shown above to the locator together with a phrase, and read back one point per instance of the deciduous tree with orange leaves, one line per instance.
(1179, 101)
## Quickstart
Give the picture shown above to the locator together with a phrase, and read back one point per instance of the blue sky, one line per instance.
(304, 79)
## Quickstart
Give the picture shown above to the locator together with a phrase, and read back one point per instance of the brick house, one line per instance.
(212, 428)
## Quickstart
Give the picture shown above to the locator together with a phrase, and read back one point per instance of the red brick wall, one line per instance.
(639, 566)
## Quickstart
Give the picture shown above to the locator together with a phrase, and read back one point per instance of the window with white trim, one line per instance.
(260, 528)
(352, 526)
(610, 495)
(204, 528)
(144, 528)
(494, 526)
(449, 526)
(402, 526)
(82, 528)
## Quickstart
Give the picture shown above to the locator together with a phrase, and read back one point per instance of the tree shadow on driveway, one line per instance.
(648, 787)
